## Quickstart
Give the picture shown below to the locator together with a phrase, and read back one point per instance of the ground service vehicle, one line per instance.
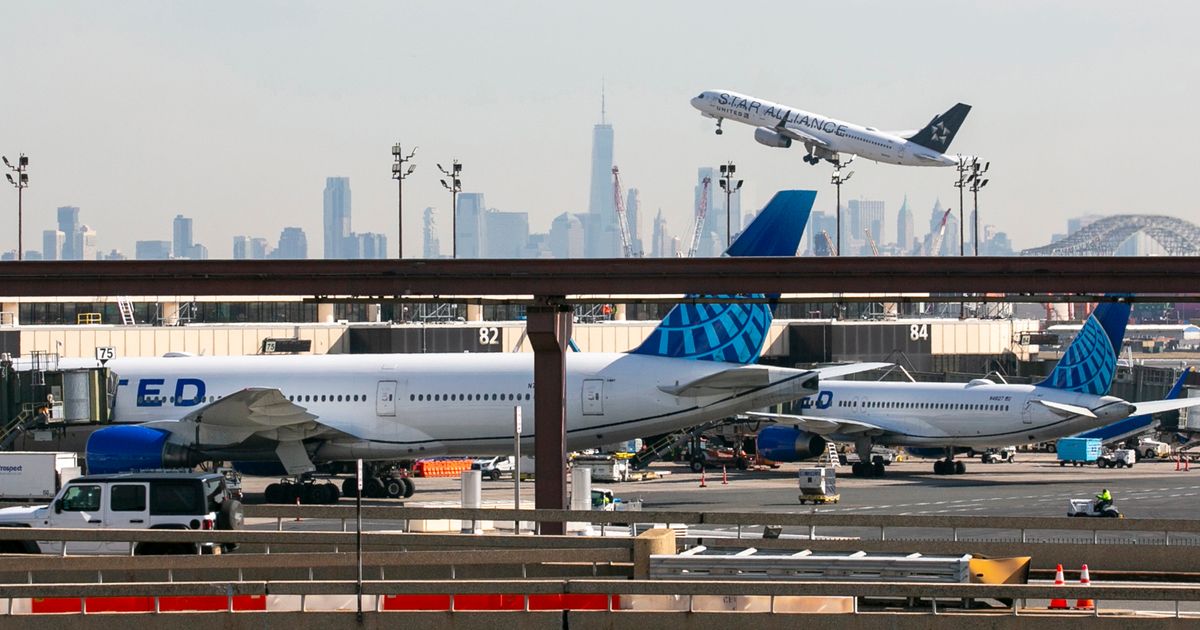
(35, 476)
(1078, 451)
(1008, 454)
(1152, 449)
(1087, 507)
(1119, 458)
(144, 500)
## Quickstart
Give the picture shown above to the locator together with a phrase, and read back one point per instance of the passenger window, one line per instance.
(128, 498)
(81, 499)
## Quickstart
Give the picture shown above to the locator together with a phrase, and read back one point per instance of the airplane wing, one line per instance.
(1159, 406)
(796, 134)
(1066, 410)
(821, 426)
(235, 418)
(733, 379)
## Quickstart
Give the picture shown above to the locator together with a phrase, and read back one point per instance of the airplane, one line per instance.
(980, 414)
(826, 138)
(297, 411)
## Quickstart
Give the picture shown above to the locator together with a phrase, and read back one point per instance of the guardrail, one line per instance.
(618, 595)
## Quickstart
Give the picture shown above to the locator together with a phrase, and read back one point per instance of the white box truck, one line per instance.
(35, 476)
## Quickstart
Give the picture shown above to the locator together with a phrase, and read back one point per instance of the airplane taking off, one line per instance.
(298, 411)
(979, 414)
(826, 138)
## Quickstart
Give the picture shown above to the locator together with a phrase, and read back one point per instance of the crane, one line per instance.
(619, 204)
(935, 247)
(828, 243)
(701, 212)
(871, 240)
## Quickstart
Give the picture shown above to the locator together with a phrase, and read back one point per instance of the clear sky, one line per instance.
(233, 113)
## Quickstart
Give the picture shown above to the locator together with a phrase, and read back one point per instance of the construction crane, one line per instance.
(619, 204)
(700, 214)
(871, 240)
(828, 243)
(936, 246)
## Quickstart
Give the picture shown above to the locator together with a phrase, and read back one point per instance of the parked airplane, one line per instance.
(698, 365)
(1133, 425)
(979, 414)
(826, 138)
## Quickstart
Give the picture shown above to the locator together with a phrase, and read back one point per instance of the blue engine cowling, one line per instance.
(789, 444)
(124, 448)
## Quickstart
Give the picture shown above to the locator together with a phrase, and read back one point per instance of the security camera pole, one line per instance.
(455, 187)
(977, 181)
(837, 180)
(21, 182)
(729, 186)
(398, 174)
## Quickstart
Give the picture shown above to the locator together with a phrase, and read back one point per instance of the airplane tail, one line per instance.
(940, 131)
(1090, 362)
(1133, 425)
(734, 332)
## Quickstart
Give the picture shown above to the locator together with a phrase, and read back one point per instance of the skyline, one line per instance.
(141, 111)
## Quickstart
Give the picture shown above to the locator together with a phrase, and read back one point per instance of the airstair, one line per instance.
(126, 308)
(656, 450)
(830, 458)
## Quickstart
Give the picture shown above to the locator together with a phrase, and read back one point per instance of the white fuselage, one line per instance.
(415, 405)
(977, 414)
(839, 136)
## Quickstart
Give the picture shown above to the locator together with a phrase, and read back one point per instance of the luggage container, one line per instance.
(818, 485)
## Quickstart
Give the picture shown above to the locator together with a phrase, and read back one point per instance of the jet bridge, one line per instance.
(36, 394)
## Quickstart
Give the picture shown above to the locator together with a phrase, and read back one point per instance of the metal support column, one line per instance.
(549, 327)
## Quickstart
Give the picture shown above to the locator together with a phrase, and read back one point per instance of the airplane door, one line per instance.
(1027, 412)
(385, 398)
(593, 397)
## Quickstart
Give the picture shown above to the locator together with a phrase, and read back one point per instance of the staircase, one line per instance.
(829, 459)
(658, 449)
(10, 432)
(126, 308)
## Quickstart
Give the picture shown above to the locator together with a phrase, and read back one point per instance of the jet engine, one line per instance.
(789, 444)
(772, 138)
(124, 448)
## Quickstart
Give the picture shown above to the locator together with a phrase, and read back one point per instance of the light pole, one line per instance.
(729, 186)
(21, 181)
(977, 181)
(398, 174)
(960, 183)
(455, 187)
(837, 180)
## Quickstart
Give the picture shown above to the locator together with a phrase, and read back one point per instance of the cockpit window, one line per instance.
(701, 96)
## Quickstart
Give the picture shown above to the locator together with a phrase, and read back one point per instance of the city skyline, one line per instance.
(237, 122)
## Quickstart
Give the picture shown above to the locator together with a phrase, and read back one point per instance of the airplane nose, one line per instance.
(696, 102)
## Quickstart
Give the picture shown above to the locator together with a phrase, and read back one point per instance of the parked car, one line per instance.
(149, 500)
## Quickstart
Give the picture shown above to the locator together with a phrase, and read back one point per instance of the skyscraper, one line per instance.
(182, 233)
(472, 238)
(904, 228)
(866, 214)
(601, 224)
(633, 216)
(429, 232)
(508, 233)
(241, 247)
(662, 246)
(566, 236)
(152, 250)
(293, 244)
(260, 249)
(52, 244)
(85, 244)
(68, 224)
(336, 216)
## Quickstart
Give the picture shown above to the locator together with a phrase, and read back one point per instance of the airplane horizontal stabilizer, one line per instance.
(835, 371)
(1066, 410)
(1159, 406)
(820, 426)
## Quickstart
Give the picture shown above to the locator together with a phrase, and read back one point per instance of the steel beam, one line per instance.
(642, 276)
(549, 330)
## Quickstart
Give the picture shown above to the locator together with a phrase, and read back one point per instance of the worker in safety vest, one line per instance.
(1104, 500)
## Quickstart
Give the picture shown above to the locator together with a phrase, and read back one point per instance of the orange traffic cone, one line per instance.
(724, 476)
(1084, 580)
(1058, 604)
(702, 484)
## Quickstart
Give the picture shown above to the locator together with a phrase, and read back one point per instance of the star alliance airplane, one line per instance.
(979, 414)
(300, 411)
(826, 138)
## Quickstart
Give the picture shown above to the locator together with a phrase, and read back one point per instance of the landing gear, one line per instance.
(305, 491)
(719, 130)
(866, 466)
(948, 466)
(381, 482)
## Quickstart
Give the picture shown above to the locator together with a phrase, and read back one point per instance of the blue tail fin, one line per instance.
(734, 332)
(1088, 365)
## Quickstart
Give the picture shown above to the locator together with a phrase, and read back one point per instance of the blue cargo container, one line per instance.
(1077, 451)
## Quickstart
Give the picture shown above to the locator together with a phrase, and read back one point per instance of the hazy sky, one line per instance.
(233, 113)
